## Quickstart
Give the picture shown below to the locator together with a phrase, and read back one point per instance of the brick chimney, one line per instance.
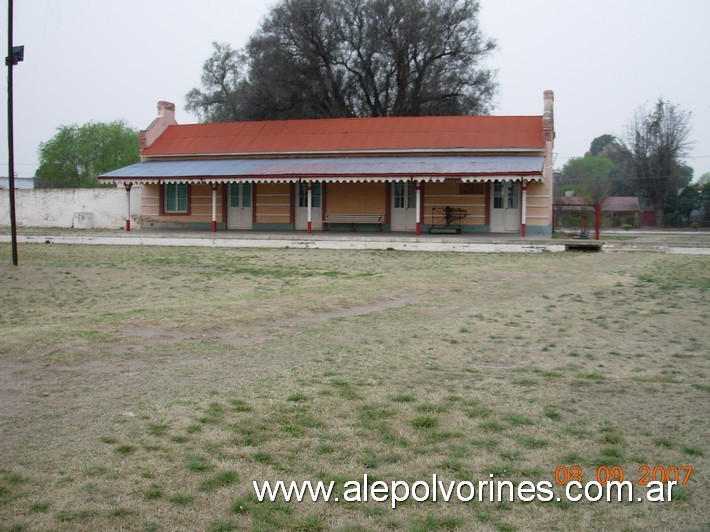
(548, 117)
(165, 118)
(548, 135)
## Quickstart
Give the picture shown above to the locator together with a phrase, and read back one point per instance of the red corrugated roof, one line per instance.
(351, 135)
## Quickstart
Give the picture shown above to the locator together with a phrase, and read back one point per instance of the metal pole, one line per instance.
(597, 220)
(10, 136)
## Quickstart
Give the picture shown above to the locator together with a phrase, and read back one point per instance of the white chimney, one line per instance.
(548, 116)
(165, 118)
(166, 110)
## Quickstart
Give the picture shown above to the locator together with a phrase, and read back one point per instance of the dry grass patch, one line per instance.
(147, 388)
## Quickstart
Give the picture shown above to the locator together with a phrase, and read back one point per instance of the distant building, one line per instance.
(622, 210)
(647, 216)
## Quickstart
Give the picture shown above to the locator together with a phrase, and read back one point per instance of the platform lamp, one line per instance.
(15, 54)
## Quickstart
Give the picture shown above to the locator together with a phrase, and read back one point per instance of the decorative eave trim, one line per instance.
(507, 177)
(324, 179)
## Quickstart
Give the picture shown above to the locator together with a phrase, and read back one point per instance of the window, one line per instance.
(405, 195)
(246, 195)
(399, 195)
(506, 195)
(303, 195)
(176, 198)
(240, 201)
(513, 195)
(411, 196)
(234, 195)
(472, 188)
(497, 195)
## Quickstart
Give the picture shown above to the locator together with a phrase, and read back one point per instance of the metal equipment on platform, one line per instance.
(447, 219)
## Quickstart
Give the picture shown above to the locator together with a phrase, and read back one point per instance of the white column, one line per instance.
(524, 206)
(418, 211)
(214, 207)
(128, 201)
(310, 205)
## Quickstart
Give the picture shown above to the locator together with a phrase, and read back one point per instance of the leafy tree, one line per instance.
(602, 144)
(339, 58)
(591, 175)
(653, 149)
(688, 201)
(677, 203)
(600, 173)
(705, 201)
(683, 177)
(704, 179)
(77, 155)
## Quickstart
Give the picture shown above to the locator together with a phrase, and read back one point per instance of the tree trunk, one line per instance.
(659, 216)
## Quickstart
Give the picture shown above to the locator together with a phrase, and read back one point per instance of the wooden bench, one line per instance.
(352, 219)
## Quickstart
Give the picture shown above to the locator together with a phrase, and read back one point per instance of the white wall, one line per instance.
(83, 208)
(20, 182)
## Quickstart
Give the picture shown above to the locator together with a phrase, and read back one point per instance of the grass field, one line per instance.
(145, 388)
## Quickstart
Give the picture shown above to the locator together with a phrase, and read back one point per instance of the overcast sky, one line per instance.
(96, 60)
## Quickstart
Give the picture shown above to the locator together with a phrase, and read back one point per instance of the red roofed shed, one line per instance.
(621, 210)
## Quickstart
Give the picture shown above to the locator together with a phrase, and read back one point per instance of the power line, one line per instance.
(557, 156)
(561, 177)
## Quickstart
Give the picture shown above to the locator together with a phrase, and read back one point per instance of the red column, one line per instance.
(597, 220)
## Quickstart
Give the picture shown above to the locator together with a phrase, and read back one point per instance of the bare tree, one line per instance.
(338, 58)
(654, 145)
(434, 49)
(223, 80)
(295, 62)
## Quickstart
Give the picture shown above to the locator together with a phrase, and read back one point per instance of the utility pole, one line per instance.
(15, 54)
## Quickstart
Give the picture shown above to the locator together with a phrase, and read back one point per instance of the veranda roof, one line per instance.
(340, 169)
